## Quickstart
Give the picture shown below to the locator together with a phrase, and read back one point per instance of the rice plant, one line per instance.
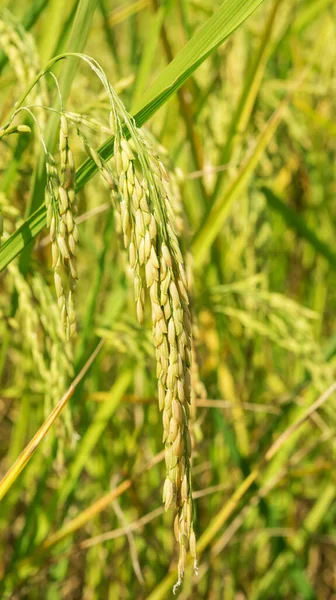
(167, 283)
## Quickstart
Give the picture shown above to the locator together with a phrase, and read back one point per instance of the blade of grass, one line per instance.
(315, 117)
(61, 43)
(34, 10)
(227, 387)
(215, 525)
(311, 523)
(188, 118)
(93, 433)
(230, 506)
(309, 14)
(292, 428)
(122, 13)
(213, 33)
(148, 54)
(98, 279)
(25, 456)
(247, 100)
(86, 515)
(56, 10)
(110, 38)
(77, 41)
(263, 491)
(229, 16)
(215, 219)
(296, 222)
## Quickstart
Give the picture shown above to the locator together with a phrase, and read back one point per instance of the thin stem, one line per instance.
(25, 456)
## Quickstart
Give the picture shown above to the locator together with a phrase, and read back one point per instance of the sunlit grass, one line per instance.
(240, 107)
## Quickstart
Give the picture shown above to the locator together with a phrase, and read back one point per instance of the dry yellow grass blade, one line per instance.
(222, 516)
(25, 456)
(122, 13)
(97, 507)
(83, 517)
(292, 428)
(86, 515)
(229, 507)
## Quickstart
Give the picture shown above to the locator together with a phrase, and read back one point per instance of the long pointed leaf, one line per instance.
(214, 221)
(213, 33)
(296, 223)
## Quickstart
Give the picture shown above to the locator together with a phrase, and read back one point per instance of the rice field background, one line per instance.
(167, 299)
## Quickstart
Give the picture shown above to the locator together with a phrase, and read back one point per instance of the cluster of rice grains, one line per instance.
(147, 223)
(140, 191)
(37, 330)
(61, 210)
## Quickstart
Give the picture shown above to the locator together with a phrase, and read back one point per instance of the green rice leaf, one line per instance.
(296, 222)
(229, 16)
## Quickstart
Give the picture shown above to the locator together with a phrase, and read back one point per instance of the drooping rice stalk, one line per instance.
(147, 220)
(61, 211)
(140, 189)
(157, 264)
(50, 352)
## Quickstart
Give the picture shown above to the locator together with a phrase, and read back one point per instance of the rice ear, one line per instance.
(60, 202)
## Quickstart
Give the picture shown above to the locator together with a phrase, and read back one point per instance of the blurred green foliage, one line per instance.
(252, 133)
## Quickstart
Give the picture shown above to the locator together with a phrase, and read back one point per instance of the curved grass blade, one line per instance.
(296, 223)
(215, 219)
(286, 559)
(93, 433)
(228, 17)
(78, 36)
(213, 33)
(245, 105)
(230, 506)
(25, 456)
